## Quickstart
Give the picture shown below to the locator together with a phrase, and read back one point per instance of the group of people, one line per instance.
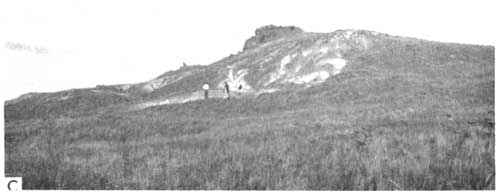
(206, 88)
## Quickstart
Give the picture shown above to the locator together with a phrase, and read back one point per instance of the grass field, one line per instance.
(402, 117)
(300, 149)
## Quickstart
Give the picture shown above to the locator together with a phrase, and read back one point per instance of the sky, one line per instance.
(51, 45)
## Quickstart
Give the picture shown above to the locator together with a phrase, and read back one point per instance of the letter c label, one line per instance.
(12, 181)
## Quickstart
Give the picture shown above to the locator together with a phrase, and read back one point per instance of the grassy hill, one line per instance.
(406, 114)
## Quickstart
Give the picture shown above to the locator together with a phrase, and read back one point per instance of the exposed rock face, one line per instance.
(275, 59)
(269, 33)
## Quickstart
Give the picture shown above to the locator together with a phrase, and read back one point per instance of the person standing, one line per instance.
(226, 85)
(206, 87)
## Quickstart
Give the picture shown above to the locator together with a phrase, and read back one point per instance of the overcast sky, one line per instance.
(56, 45)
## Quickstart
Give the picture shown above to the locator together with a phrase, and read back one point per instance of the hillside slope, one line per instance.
(347, 110)
(276, 58)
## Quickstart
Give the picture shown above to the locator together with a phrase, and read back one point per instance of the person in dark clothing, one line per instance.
(226, 85)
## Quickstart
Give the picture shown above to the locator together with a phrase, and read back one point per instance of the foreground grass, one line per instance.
(272, 151)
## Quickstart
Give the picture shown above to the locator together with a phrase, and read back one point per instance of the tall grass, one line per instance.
(305, 155)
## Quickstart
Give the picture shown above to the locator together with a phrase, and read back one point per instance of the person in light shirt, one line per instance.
(206, 87)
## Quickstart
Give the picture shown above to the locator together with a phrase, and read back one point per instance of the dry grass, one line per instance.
(256, 152)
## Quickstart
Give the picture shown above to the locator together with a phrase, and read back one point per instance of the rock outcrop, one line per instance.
(269, 33)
